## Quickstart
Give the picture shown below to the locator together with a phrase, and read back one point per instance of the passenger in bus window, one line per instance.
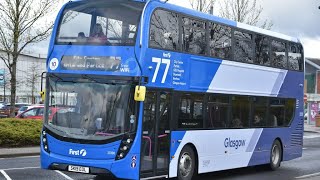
(257, 121)
(81, 37)
(97, 35)
(236, 123)
(274, 120)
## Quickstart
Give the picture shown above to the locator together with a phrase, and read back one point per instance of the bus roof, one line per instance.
(191, 12)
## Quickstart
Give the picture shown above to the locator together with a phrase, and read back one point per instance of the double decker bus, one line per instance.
(151, 90)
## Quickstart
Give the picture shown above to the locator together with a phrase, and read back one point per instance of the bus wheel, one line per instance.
(275, 155)
(186, 164)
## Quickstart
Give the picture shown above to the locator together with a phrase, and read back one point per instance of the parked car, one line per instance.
(36, 113)
(5, 109)
(24, 108)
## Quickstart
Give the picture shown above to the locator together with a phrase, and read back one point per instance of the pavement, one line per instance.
(311, 128)
(17, 152)
(32, 151)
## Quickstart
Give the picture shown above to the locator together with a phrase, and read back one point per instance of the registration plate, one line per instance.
(78, 169)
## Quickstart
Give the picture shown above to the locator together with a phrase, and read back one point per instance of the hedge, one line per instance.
(19, 132)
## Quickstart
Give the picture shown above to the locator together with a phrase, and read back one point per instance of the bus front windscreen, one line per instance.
(108, 23)
(89, 110)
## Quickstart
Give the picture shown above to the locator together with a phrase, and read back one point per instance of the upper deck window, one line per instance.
(220, 41)
(164, 30)
(194, 36)
(295, 57)
(262, 50)
(100, 23)
(243, 47)
(278, 54)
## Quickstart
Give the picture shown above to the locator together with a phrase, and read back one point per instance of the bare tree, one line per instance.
(32, 79)
(202, 5)
(22, 22)
(244, 11)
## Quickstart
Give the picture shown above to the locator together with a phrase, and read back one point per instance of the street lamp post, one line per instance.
(2, 78)
(4, 87)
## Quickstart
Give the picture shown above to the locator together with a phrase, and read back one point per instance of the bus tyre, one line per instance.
(186, 164)
(275, 155)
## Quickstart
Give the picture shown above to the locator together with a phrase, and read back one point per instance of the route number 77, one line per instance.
(160, 61)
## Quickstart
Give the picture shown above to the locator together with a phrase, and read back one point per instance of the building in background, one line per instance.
(312, 89)
(29, 70)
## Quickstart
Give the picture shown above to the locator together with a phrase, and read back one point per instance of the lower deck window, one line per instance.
(190, 111)
(221, 111)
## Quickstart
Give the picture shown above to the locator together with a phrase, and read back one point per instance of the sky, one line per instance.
(295, 18)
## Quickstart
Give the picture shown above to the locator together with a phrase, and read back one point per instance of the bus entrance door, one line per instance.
(156, 134)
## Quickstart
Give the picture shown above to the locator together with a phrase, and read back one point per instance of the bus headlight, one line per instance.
(45, 141)
(125, 146)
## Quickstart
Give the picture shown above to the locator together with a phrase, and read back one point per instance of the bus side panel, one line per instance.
(237, 78)
(261, 154)
(293, 87)
(217, 149)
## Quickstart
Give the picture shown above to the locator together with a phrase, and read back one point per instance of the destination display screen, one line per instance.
(91, 63)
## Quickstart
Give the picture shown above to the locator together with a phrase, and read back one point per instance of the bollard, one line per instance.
(317, 120)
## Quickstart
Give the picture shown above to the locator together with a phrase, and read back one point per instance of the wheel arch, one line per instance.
(193, 147)
(279, 139)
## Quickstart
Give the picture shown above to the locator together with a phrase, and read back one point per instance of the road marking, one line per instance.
(19, 168)
(311, 136)
(5, 175)
(20, 157)
(304, 148)
(308, 175)
(64, 175)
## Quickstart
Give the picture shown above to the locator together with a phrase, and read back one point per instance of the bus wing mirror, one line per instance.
(140, 93)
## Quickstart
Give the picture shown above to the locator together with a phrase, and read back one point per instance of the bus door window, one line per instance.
(240, 112)
(156, 142)
(149, 120)
(164, 131)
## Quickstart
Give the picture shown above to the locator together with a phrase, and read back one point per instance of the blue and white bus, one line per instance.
(151, 90)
